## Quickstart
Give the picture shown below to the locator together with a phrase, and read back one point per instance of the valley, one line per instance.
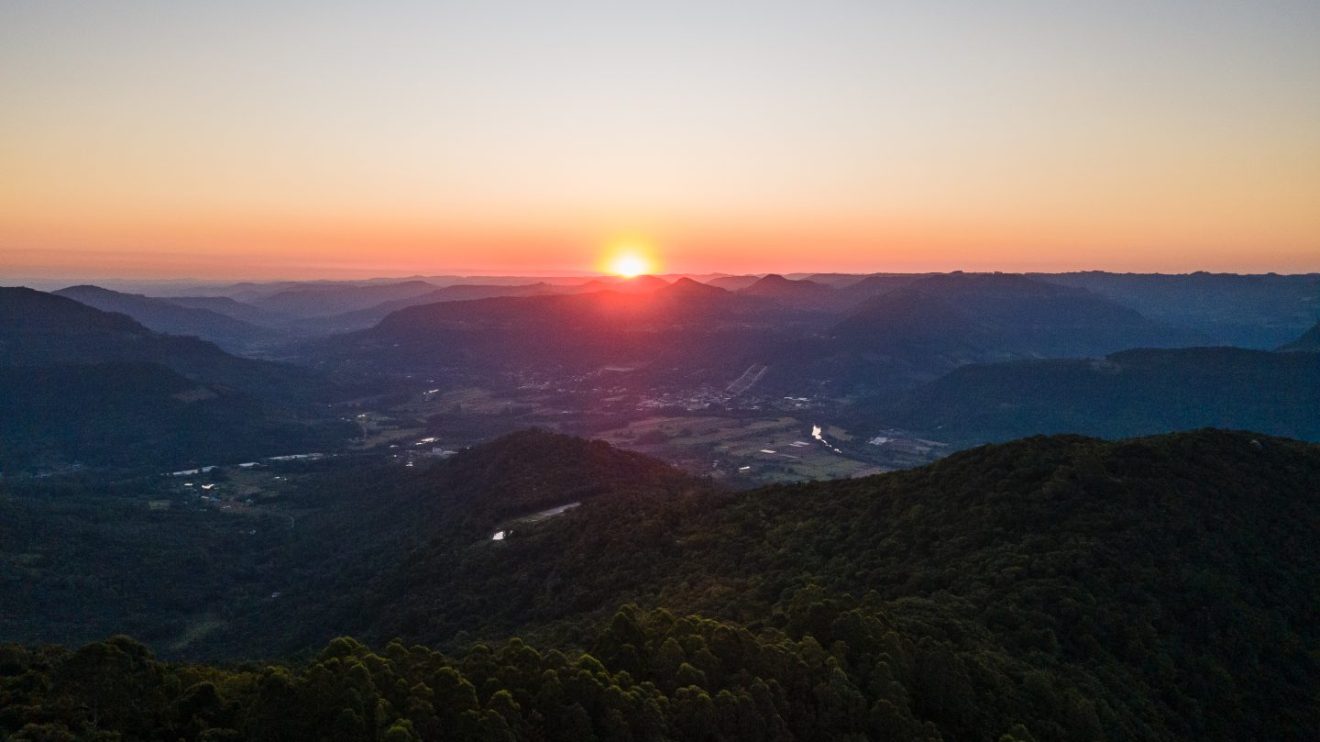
(620, 475)
(676, 371)
(944, 566)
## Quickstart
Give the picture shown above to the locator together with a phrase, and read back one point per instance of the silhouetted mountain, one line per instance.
(914, 333)
(40, 329)
(364, 318)
(97, 387)
(686, 288)
(635, 285)
(1253, 311)
(233, 308)
(166, 316)
(900, 323)
(1135, 392)
(1308, 342)
(321, 301)
(837, 280)
(877, 284)
(674, 331)
(1012, 315)
(733, 283)
(775, 285)
(804, 294)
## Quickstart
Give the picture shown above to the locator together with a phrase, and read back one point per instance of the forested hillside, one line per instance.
(1048, 589)
(142, 415)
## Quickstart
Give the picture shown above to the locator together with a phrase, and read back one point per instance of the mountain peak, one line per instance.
(687, 287)
(26, 309)
(535, 469)
(773, 284)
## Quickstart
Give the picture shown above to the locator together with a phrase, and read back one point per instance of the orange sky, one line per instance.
(303, 139)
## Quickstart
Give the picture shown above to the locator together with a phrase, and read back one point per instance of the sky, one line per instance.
(323, 139)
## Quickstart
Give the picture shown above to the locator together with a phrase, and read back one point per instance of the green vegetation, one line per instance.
(1136, 392)
(1048, 589)
(142, 415)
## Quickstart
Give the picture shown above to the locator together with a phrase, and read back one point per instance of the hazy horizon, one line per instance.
(132, 282)
(293, 139)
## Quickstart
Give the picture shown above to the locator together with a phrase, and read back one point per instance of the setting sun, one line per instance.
(629, 261)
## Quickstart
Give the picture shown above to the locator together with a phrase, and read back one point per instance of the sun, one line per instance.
(629, 260)
(628, 265)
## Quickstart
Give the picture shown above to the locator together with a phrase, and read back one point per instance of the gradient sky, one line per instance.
(296, 139)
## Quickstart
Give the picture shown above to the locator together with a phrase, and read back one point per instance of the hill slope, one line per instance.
(915, 332)
(1048, 589)
(1250, 311)
(313, 300)
(804, 293)
(233, 308)
(1138, 392)
(1308, 342)
(134, 415)
(83, 385)
(38, 328)
(165, 316)
(683, 332)
(1171, 579)
(364, 318)
(1012, 314)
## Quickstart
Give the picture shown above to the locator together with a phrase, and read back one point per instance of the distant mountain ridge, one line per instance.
(363, 318)
(678, 329)
(38, 328)
(775, 285)
(1250, 311)
(733, 283)
(913, 333)
(1135, 392)
(320, 301)
(87, 386)
(232, 308)
(168, 317)
(1013, 314)
(799, 293)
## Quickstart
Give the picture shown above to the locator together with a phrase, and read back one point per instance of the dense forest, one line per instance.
(1048, 589)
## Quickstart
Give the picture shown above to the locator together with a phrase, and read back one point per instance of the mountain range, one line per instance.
(1249, 311)
(919, 331)
(92, 387)
(169, 316)
(1135, 392)
(685, 330)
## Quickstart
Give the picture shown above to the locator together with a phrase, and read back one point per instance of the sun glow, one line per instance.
(629, 260)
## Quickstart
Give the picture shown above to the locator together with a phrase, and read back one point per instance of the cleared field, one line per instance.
(776, 449)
